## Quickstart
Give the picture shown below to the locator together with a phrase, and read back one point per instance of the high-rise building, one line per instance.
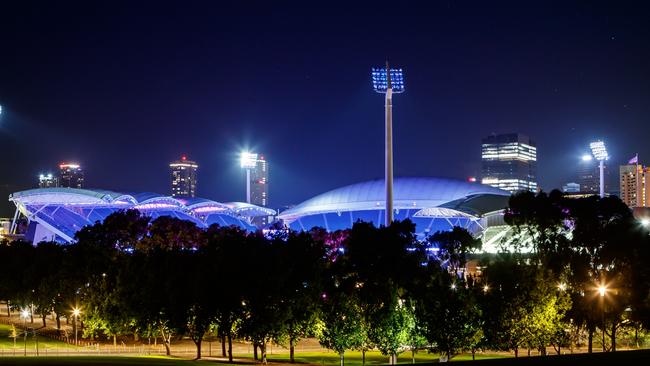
(71, 175)
(634, 181)
(509, 162)
(183, 175)
(257, 182)
(589, 176)
(47, 181)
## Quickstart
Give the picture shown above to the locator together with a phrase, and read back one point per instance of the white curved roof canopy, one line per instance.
(408, 193)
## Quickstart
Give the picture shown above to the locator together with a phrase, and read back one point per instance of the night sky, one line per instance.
(126, 87)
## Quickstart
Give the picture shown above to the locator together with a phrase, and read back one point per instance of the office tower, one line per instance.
(47, 181)
(589, 176)
(509, 162)
(71, 175)
(257, 182)
(183, 176)
(634, 180)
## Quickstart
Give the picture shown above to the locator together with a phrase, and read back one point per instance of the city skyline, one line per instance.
(322, 127)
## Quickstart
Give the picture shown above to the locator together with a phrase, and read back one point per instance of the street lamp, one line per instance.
(388, 81)
(25, 314)
(561, 286)
(600, 153)
(248, 161)
(76, 313)
(645, 222)
(602, 290)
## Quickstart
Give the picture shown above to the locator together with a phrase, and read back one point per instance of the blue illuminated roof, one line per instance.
(64, 211)
(408, 193)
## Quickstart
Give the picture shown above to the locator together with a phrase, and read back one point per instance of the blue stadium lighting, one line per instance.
(380, 80)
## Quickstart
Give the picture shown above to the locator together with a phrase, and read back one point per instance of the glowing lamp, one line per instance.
(381, 80)
(598, 150)
(248, 160)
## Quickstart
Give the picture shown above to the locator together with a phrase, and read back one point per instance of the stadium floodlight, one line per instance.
(586, 157)
(248, 161)
(381, 80)
(599, 151)
(388, 81)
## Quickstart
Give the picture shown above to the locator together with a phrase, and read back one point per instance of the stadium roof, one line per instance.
(63, 211)
(409, 193)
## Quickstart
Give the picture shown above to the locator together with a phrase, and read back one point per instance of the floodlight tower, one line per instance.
(248, 161)
(388, 81)
(600, 153)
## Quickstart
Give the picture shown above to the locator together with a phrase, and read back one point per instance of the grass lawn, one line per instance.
(99, 360)
(622, 358)
(7, 342)
(354, 358)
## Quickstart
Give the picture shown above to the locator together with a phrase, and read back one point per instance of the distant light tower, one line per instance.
(248, 161)
(600, 153)
(388, 81)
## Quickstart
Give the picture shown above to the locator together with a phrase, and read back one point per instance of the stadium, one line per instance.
(56, 214)
(433, 204)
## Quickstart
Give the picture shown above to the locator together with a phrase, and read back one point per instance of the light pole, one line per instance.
(248, 161)
(600, 153)
(76, 313)
(388, 81)
(25, 314)
(602, 290)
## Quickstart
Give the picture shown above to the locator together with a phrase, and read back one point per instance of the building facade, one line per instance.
(183, 177)
(260, 182)
(71, 175)
(47, 181)
(589, 176)
(634, 180)
(571, 187)
(509, 162)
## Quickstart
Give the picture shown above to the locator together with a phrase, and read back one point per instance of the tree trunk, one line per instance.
(230, 347)
(473, 354)
(342, 358)
(58, 321)
(613, 338)
(590, 342)
(167, 340)
(198, 348)
(363, 357)
(291, 351)
(413, 355)
(223, 345)
(516, 352)
(255, 351)
(43, 316)
(263, 351)
(8, 309)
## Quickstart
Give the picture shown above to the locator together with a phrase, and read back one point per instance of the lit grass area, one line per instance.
(7, 342)
(100, 360)
(354, 358)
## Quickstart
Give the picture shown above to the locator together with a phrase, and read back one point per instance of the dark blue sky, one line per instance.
(126, 87)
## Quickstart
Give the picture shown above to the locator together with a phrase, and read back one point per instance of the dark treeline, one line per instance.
(362, 289)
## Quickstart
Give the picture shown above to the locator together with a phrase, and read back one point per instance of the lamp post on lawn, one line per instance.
(25, 314)
(76, 313)
(602, 290)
